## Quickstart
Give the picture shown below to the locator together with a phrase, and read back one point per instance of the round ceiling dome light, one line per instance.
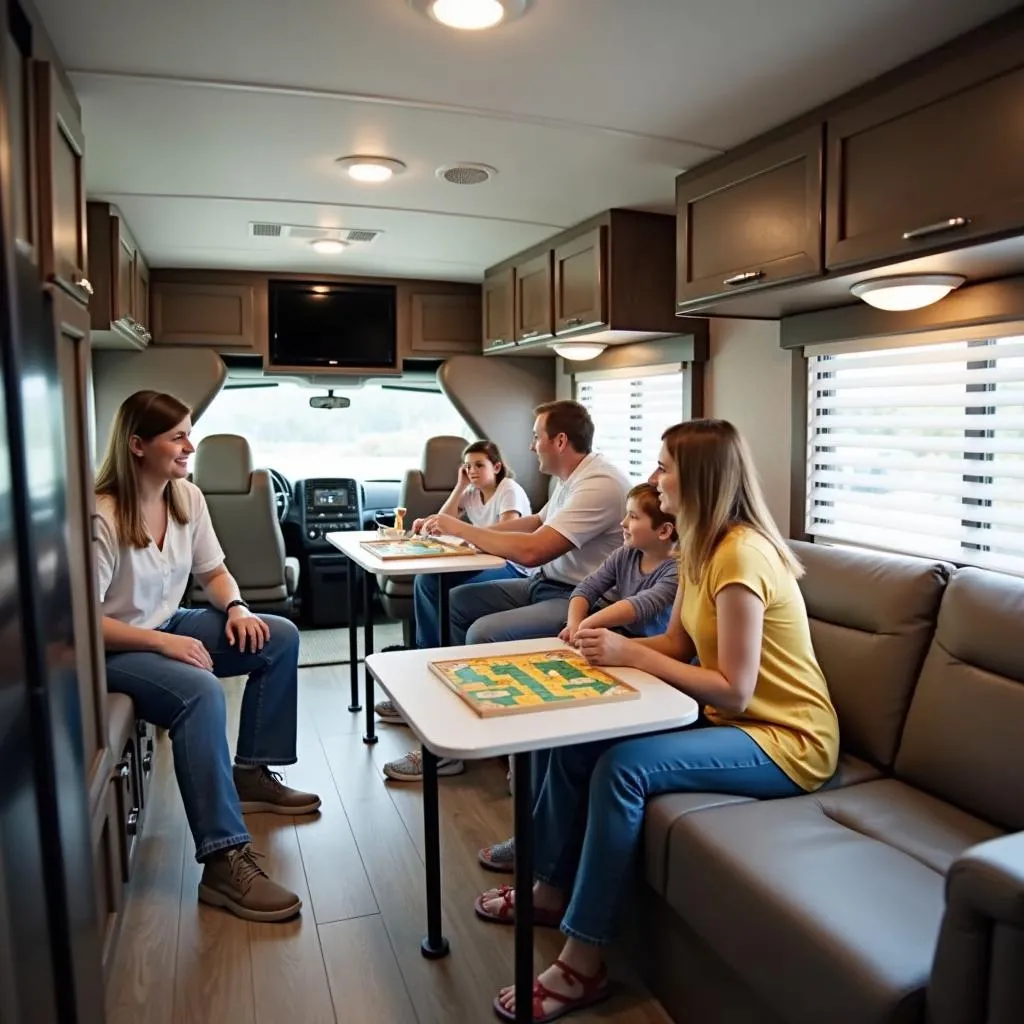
(328, 246)
(578, 351)
(909, 291)
(471, 15)
(371, 169)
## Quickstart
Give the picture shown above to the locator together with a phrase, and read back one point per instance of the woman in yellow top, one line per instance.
(768, 730)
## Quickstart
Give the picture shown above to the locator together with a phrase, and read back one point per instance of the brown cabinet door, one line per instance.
(752, 223)
(124, 292)
(61, 186)
(445, 324)
(140, 311)
(534, 305)
(210, 315)
(74, 364)
(581, 282)
(907, 175)
(498, 304)
(20, 89)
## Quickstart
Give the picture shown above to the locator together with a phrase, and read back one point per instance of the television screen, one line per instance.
(314, 324)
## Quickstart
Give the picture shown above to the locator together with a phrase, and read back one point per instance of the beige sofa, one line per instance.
(895, 894)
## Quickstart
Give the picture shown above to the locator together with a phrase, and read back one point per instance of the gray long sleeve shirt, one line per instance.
(620, 578)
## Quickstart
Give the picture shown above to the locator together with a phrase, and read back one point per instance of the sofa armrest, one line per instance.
(976, 976)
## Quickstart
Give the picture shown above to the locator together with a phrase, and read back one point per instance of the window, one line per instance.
(631, 409)
(378, 438)
(920, 449)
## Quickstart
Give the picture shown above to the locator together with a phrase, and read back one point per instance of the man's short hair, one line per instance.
(571, 419)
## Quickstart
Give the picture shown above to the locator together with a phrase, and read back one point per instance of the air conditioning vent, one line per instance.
(466, 174)
(308, 233)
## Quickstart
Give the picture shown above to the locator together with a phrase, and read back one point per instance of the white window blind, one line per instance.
(631, 409)
(920, 449)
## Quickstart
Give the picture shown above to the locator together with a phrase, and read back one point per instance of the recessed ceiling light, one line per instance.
(471, 15)
(328, 246)
(578, 350)
(372, 169)
(909, 291)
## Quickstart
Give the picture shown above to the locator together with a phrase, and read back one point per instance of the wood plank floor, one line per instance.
(353, 955)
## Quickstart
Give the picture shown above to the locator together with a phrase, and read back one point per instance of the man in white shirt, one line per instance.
(567, 540)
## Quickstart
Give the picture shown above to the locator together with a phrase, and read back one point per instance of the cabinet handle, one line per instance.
(131, 826)
(573, 321)
(86, 285)
(750, 275)
(529, 334)
(950, 224)
(123, 769)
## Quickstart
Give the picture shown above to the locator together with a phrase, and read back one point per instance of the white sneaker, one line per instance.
(387, 712)
(410, 767)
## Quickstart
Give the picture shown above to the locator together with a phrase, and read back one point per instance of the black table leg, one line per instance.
(522, 773)
(353, 637)
(435, 945)
(443, 591)
(370, 736)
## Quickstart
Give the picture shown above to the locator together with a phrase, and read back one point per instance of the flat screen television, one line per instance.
(332, 325)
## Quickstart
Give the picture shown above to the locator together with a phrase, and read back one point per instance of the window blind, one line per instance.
(920, 449)
(631, 410)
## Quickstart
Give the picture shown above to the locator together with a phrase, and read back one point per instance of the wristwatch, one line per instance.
(237, 601)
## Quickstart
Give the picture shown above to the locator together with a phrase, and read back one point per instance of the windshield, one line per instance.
(378, 438)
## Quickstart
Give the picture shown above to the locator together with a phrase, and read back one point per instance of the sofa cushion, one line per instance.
(872, 617)
(962, 739)
(827, 905)
(664, 811)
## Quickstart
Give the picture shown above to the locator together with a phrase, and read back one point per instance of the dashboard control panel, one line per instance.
(329, 505)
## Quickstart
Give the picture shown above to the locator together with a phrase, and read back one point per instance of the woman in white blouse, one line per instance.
(153, 530)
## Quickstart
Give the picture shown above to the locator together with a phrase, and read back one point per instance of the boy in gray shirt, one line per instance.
(638, 581)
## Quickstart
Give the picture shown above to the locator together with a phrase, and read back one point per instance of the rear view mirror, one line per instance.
(329, 401)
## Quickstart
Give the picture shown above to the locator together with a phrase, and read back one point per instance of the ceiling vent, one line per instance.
(307, 233)
(466, 174)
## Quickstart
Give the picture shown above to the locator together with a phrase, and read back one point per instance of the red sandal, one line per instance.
(505, 914)
(595, 989)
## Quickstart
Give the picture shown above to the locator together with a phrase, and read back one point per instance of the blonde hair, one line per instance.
(144, 415)
(718, 489)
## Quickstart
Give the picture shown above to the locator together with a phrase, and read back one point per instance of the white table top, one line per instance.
(349, 544)
(451, 728)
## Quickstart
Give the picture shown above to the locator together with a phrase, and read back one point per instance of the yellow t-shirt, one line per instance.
(790, 715)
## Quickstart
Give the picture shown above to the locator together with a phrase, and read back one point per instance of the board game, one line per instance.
(509, 684)
(414, 547)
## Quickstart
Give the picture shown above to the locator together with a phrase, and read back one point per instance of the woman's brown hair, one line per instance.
(646, 497)
(145, 415)
(493, 453)
(718, 489)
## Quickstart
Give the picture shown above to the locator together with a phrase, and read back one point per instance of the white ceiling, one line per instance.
(203, 115)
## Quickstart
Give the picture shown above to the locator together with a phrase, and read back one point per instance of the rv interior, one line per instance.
(352, 239)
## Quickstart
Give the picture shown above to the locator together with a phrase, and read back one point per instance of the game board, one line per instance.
(413, 547)
(508, 684)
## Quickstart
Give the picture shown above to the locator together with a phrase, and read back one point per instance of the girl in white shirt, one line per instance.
(153, 530)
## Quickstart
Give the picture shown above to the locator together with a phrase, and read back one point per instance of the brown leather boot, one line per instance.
(260, 789)
(232, 879)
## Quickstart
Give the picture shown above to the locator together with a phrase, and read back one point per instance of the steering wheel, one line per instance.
(282, 493)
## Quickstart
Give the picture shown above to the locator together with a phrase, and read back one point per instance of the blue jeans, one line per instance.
(424, 597)
(589, 816)
(189, 702)
(485, 613)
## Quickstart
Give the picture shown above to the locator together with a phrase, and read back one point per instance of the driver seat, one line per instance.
(244, 515)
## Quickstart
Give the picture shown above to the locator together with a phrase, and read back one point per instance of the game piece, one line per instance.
(509, 684)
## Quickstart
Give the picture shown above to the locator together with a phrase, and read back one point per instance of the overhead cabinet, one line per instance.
(909, 173)
(926, 161)
(751, 223)
(608, 279)
(119, 308)
(443, 324)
